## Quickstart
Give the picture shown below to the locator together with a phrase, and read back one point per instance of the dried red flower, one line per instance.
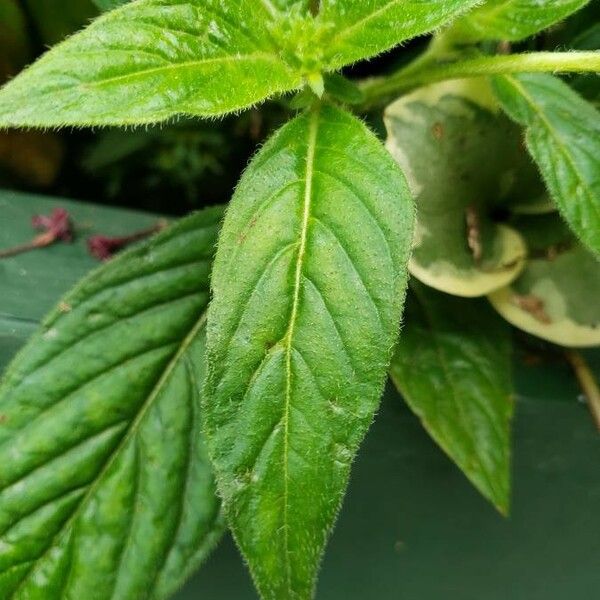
(104, 247)
(55, 227)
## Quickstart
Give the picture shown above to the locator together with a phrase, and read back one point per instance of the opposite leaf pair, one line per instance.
(152, 60)
(309, 280)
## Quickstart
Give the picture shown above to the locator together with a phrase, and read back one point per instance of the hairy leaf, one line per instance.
(285, 5)
(563, 137)
(361, 29)
(105, 486)
(149, 61)
(453, 367)
(556, 296)
(513, 20)
(308, 286)
(439, 135)
(109, 4)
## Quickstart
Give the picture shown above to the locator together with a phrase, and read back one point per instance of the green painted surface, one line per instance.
(31, 283)
(411, 528)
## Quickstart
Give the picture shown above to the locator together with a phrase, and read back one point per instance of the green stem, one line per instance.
(378, 90)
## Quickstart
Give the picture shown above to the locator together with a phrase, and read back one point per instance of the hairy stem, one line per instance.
(379, 90)
(587, 381)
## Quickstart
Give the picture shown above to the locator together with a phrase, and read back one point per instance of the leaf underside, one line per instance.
(438, 135)
(308, 286)
(152, 60)
(105, 486)
(563, 137)
(556, 298)
(452, 365)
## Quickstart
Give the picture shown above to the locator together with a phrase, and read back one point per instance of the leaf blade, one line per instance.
(84, 465)
(149, 61)
(452, 366)
(281, 348)
(562, 133)
(513, 20)
(365, 29)
(109, 4)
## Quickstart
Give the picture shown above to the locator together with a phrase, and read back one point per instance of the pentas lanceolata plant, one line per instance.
(140, 423)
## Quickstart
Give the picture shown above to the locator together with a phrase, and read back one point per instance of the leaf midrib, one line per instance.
(308, 192)
(487, 14)
(131, 431)
(182, 65)
(361, 23)
(464, 419)
(562, 147)
(502, 11)
(270, 7)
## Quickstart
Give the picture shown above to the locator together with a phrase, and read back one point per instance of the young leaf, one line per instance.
(453, 368)
(151, 60)
(362, 29)
(438, 135)
(512, 20)
(308, 287)
(105, 486)
(563, 137)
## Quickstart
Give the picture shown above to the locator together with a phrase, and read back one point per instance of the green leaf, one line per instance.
(536, 204)
(439, 135)
(152, 60)
(342, 89)
(588, 39)
(105, 485)
(563, 137)
(284, 5)
(453, 367)
(308, 286)
(512, 20)
(272, 5)
(556, 296)
(361, 29)
(544, 233)
(587, 84)
(109, 4)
